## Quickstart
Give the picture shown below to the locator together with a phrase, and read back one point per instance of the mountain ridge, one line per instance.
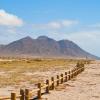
(44, 46)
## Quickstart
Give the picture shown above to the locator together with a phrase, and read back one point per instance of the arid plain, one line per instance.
(16, 73)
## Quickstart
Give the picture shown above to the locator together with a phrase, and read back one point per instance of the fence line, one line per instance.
(49, 84)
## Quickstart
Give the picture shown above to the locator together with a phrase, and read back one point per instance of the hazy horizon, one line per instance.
(77, 21)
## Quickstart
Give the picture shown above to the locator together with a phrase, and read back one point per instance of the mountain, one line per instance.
(43, 47)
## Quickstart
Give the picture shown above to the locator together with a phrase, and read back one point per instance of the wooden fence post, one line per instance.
(39, 92)
(77, 71)
(80, 70)
(72, 73)
(13, 96)
(57, 80)
(62, 78)
(69, 76)
(83, 68)
(78, 64)
(26, 94)
(22, 94)
(65, 76)
(52, 86)
(47, 88)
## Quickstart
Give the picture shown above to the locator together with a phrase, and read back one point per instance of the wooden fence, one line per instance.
(49, 85)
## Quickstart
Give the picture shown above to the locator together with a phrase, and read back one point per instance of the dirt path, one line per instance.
(85, 86)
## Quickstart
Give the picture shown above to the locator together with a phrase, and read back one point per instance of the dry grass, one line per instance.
(20, 71)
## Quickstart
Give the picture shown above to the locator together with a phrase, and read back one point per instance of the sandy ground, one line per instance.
(85, 86)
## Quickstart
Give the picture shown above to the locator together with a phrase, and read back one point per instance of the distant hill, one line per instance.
(44, 47)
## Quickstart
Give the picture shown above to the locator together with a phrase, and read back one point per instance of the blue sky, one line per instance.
(77, 20)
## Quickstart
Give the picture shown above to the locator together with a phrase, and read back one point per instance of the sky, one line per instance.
(75, 20)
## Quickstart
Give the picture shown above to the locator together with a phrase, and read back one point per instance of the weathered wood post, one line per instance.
(62, 78)
(65, 76)
(13, 96)
(78, 65)
(69, 75)
(83, 68)
(80, 69)
(47, 88)
(57, 80)
(52, 86)
(26, 94)
(77, 71)
(39, 92)
(22, 94)
(72, 73)
(77, 68)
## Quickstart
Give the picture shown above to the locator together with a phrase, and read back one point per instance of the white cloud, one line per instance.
(68, 23)
(7, 19)
(50, 25)
(56, 24)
